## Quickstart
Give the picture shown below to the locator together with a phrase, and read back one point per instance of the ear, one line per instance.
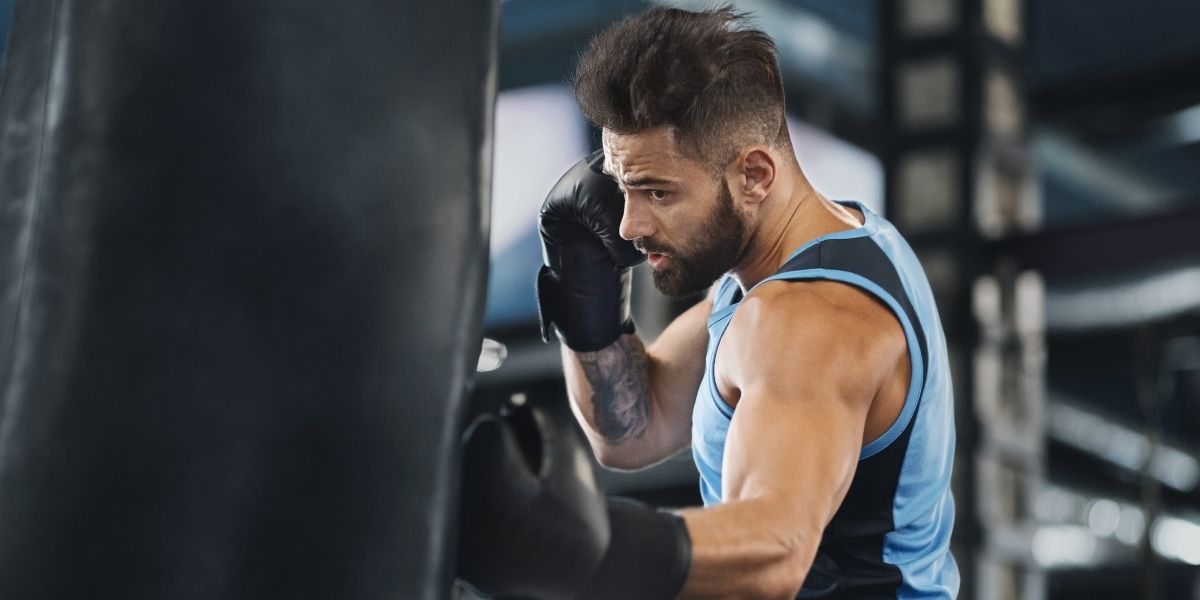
(753, 174)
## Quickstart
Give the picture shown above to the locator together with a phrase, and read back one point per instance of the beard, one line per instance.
(716, 250)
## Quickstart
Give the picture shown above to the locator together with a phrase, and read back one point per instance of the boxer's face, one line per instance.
(676, 211)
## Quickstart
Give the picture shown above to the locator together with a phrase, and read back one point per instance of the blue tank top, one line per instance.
(890, 538)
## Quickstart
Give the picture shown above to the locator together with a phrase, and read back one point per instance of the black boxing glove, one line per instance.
(533, 524)
(531, 521)
(649, 555)
(583, 286)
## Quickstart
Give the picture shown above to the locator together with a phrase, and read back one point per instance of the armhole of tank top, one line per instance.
(916, 360)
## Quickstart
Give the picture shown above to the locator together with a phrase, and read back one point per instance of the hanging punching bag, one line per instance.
(242, 264)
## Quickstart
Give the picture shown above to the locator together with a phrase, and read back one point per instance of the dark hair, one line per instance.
(707, 75)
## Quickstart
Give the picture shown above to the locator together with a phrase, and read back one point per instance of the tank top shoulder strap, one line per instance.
(858, 260)
(728, 293)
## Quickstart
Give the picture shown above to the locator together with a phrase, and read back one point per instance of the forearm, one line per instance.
(612, 397)
(747, 549)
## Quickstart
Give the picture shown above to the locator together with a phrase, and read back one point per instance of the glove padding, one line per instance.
(649, 555)
(533, 524)
(583, 285)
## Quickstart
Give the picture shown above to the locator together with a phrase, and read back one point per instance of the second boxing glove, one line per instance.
(583, 286)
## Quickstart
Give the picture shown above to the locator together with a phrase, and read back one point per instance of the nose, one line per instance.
(635, 222)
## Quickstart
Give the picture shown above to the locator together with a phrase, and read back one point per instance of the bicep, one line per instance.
(804, 387)
(679, 350)
(797, 446)
(685, 338)
(676, 365)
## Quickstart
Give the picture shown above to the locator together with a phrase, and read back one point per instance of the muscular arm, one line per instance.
(803, 369)
(635, 402)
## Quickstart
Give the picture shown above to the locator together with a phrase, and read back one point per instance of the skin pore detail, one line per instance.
(620, 384)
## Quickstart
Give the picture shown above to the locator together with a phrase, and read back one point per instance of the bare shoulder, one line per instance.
(811, 325)
(818, 311)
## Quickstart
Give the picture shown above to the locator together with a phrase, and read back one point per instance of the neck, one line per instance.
(800, 216)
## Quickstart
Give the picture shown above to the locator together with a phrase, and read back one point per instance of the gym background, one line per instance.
(1043, 158)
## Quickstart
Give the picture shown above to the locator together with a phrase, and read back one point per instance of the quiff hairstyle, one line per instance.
(708, 76)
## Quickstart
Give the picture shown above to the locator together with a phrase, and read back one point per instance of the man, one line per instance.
(811, 383)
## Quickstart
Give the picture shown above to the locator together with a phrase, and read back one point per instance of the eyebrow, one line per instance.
(646, 181)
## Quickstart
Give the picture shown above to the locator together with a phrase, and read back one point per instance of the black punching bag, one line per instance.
(242, 264)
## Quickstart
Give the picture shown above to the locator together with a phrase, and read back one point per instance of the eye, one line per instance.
(657, 195)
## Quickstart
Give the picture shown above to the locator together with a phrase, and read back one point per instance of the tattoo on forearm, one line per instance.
(620, 388)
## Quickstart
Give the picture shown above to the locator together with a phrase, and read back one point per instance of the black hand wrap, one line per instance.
(583, 286)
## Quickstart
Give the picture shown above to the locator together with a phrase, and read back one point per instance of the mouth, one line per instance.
(656, 259)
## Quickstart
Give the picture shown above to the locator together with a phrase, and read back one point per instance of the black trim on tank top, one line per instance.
(850, 556)
(863, 257)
